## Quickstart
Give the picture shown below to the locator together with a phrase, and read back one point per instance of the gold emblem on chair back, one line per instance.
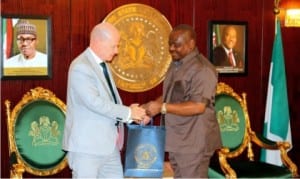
(35, 128)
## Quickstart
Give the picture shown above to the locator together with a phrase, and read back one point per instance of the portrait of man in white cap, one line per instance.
(26, 40)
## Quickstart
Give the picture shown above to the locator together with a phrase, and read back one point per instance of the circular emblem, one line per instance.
(145, 155)
(143, 57)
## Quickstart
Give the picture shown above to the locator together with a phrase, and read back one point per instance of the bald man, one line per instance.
(93, 134)
(225, 54)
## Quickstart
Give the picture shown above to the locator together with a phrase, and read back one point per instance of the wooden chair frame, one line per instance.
(18, 165)
(250, 136)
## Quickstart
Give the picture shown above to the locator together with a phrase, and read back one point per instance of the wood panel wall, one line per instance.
(72, 21)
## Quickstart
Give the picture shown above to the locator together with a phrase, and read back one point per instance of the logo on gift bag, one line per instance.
(145, 155)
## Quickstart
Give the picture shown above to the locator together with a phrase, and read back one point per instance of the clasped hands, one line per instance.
(142, 114)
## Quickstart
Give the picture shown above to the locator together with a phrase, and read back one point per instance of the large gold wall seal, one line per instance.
(143, 57)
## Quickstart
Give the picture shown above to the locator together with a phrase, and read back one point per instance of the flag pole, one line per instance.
(276, 8)
(276, 124)
(276, 11)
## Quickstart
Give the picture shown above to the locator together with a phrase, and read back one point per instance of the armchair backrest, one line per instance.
(232, 116)
(35, 129)
(237, 136)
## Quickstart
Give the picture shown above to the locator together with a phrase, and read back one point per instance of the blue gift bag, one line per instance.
(145, 151)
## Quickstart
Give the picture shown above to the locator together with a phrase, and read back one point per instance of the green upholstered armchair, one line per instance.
(238, 137)
(35, 128)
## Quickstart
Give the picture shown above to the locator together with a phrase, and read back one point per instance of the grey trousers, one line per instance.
(95, 166)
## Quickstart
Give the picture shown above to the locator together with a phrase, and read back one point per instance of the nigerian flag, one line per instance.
(277, 117)
(7, 34)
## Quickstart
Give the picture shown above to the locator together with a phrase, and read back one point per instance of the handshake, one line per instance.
(142, 114)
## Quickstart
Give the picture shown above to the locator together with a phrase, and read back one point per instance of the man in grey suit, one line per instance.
(93, 134)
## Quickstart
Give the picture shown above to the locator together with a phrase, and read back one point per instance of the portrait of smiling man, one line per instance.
(26, 40)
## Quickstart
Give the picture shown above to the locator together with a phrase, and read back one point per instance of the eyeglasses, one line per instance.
(27, 40)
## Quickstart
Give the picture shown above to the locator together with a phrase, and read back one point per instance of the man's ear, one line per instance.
(192, 43)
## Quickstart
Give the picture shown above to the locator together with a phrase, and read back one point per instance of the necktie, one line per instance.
(120, 139)
(108, 80)
(230, 55)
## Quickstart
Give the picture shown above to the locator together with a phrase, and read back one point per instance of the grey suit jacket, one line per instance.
(91, 112)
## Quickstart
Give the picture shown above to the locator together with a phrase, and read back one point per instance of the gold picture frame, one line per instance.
(228, 46)
(26, 47)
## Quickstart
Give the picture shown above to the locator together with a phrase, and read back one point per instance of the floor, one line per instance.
(168, 173)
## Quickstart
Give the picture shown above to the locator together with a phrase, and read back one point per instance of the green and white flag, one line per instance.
(7, 33)
(277, 117)
(7, 25)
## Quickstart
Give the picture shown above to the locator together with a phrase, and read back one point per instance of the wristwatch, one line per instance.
(163, 109)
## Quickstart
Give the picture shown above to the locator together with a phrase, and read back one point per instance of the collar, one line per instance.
(96, 58)
(186, 58)
(227, 50)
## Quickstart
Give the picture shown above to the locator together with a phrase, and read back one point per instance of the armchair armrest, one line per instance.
(265, 143)
(282, 146)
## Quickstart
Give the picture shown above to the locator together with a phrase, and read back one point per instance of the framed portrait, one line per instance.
(26, 47)
(228, 46)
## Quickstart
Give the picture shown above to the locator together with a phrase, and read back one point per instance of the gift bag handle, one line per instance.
(151, 122)
(161, 122)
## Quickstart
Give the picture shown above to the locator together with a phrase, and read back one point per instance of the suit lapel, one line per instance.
(97, 69)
